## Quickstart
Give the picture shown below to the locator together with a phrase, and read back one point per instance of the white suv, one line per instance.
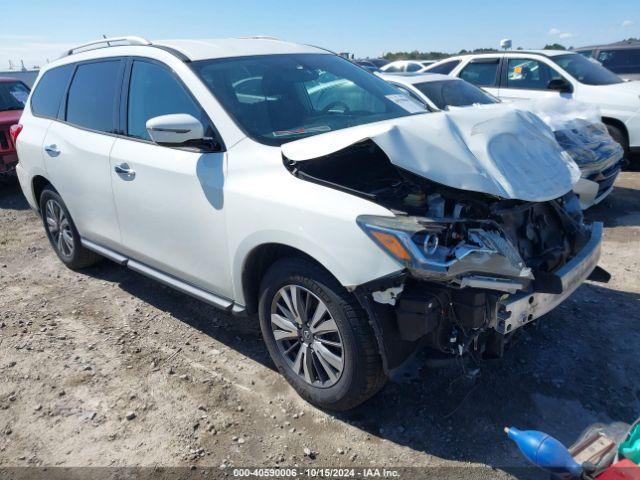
(266, 177)
(539, 74)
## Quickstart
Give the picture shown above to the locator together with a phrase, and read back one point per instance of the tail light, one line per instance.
(14, 131)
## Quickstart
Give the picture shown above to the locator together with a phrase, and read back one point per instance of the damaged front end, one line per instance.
(476, 275)
(484, 252)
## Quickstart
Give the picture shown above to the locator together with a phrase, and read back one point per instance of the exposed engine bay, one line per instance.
(465, 252)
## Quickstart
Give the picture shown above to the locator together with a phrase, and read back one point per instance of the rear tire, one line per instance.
(62, 232)
(323, 381)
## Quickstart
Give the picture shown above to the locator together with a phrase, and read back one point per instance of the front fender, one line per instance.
(353, 259)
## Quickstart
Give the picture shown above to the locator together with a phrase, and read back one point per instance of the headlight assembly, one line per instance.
(439, 250)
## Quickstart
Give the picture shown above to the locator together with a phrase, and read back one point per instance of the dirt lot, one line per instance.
(107, 368)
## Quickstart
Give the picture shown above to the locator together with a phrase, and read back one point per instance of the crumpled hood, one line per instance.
(511, 154)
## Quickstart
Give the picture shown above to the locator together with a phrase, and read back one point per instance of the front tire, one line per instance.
(318, 336)
(62, 232)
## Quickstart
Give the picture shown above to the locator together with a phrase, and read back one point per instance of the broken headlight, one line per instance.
(444, 250)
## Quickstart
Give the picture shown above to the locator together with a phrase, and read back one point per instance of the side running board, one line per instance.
(166, 279)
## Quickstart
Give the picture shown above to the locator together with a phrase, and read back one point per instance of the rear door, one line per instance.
(527, 78)
(483, 72)
(77, 148)
(170, 205)
(43, 108)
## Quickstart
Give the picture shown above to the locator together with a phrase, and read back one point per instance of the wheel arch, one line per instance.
(614, 122)
(38, 184)
(257, 263)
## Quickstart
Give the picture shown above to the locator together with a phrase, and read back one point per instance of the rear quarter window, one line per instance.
(47, 97)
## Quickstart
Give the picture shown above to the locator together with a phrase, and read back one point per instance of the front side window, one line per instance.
(93, 96)
(621, 61)
(481, 72)
(413, 67)
(529, 74)
(444, 68)
(586, 71)
(280, 98)
(13, 96)
(454, 93)
(154, 91)
(46, 99)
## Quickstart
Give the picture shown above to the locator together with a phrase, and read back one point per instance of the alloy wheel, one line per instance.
(59, 228)
(307, 336)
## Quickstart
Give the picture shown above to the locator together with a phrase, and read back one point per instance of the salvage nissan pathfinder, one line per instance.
(266, 177)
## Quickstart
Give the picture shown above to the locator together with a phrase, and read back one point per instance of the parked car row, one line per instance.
(527, 75)
(270, 178)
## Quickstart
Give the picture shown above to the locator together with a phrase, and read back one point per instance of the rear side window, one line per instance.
(46, 99)
(481, 72)
(153, 92)
(444, 68)
(93, 96)
(413, 67)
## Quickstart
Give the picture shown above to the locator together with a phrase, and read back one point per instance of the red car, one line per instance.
(13, 96)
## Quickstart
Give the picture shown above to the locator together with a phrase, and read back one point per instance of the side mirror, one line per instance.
(560, 85)
(176, 129)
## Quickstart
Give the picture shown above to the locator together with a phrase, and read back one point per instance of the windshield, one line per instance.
(280, 98)
(454, 93)
(586, 71)
(13, 96)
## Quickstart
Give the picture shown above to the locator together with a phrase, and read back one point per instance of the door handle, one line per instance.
(123, 169)
(52, 150)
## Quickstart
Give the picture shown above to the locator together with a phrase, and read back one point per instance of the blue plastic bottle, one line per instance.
(546, 452)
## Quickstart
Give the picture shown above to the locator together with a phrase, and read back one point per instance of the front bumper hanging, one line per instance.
(520, 309)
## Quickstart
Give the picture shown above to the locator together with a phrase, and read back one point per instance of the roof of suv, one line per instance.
(201, 49)
(234, 47)
(545, 53)
(615, 45)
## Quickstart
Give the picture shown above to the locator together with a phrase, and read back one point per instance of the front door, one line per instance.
(169, 200)
(528, 79)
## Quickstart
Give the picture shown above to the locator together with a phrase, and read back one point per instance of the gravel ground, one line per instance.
(106, 368)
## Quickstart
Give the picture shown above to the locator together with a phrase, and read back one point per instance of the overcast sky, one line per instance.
(38, 30)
